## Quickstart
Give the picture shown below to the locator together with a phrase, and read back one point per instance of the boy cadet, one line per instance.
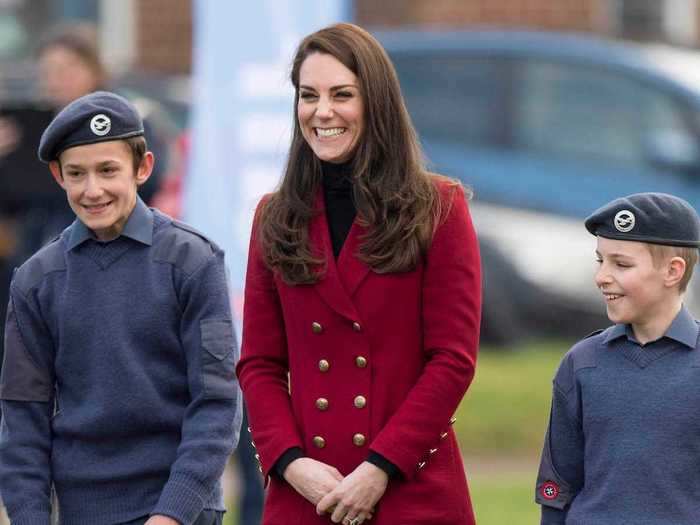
(622, 444)
(118, 384)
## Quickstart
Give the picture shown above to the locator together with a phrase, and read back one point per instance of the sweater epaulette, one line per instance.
(595, 332)
(582, 355)
(183, 246)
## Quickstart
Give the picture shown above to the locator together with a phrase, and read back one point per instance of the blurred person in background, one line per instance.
(362, 306)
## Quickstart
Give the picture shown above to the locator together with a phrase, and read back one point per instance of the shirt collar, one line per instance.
(683, 329)
(138, 227)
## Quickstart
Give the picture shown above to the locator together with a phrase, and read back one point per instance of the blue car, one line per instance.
(545, 128)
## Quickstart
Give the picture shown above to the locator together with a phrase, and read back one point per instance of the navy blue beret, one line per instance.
(657, 218)
(97, 117)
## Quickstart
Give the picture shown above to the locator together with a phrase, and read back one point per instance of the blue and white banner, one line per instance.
(242, 112)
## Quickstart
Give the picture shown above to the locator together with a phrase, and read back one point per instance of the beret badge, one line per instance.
(100, 125)
(624, 221)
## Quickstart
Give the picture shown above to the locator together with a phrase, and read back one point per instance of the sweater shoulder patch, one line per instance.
(50, 258)
(183, 246)
(583, 354)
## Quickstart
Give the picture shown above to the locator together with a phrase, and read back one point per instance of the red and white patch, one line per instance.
(549, 490)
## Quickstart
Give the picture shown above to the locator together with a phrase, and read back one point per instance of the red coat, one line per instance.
(405, 342)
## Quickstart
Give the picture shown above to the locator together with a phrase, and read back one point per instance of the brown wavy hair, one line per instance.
(395, 195)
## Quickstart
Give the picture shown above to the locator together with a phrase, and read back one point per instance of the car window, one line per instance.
(562, 109)
(454, 98)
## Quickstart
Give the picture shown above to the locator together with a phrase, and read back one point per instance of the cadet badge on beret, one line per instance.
(100, 124)
(624, 221)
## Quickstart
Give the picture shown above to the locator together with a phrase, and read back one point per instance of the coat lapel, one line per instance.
(330, 287)
(351, 269)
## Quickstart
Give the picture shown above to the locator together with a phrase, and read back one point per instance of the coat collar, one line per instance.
(344, 276)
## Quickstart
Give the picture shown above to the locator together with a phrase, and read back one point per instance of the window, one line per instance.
(454, 98)
(571, 110)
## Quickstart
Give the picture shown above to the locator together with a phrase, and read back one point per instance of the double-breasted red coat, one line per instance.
(375, 362)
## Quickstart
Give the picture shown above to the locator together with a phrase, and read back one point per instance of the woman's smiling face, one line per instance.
(330, 108)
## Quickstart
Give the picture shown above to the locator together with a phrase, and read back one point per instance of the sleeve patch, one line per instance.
(549, 490)
(21, 379)
(218, 359)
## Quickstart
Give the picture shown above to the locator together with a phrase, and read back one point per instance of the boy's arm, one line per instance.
(212, 419)
(26, 396)
(560, 476)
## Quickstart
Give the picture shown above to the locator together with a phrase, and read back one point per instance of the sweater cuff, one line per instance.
(33, 517)
(552, 516)
(387, 466)
(285, 459)
(182, 499)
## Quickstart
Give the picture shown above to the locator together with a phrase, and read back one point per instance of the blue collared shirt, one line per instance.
(139, 227)
(683, 329)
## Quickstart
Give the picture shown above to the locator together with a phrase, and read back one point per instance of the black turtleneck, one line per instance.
(340, 207)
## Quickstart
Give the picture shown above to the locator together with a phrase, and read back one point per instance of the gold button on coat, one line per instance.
(322, 403)
(319, 442)
(360, 361)
(323, 365)
(359, 440)
(356, 326)
(316, 327)
(360, 402)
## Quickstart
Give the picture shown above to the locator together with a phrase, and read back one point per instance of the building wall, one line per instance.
(164, 27)
(164, 36)
(576, 15)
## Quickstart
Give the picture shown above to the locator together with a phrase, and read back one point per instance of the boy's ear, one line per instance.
(55, 169)
(675, 271)
(145, 168)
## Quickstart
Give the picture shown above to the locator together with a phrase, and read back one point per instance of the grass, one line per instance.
(504, 498)
(505, 410)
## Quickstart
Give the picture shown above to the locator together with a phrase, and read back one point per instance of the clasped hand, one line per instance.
(354, 496)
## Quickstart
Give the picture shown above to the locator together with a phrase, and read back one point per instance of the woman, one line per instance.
(362, 306)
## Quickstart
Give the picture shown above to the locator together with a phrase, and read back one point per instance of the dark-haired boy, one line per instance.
(622, 444)
(118, 382)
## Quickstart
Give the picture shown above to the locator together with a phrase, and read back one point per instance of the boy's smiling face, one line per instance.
(101, 184)
(636, 291)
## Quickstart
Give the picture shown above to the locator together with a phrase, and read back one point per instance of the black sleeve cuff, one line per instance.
(387, 466)
(285, 459)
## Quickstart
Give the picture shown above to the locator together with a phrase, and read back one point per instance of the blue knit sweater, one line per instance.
(118, 384)
(623, 444)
